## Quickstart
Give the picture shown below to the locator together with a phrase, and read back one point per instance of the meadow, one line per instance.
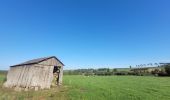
(118, 88)
(98, 88)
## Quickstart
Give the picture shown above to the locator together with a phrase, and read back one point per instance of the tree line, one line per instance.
(163, 70)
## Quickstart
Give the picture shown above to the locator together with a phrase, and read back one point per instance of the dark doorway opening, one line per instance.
(56, 77)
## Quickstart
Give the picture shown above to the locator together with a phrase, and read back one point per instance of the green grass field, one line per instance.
(118, 88)
(98, 88)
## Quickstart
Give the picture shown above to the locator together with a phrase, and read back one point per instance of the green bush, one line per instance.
(114, 70)
(100, 73)
(139, 73)
(88, 74)
(162, 73)
(132, 73)
(155, 72)
(121, 73)
(167, 69)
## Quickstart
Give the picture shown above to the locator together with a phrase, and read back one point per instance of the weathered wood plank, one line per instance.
(34, 76)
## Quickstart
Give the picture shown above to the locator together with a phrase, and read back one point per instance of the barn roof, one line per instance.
(36, 61)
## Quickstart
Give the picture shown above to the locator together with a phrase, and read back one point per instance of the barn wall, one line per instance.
(36, 76)
(17, 76)
(30, 77)
(61, 76)
(51, 61)
(54, 62)
(44, 76)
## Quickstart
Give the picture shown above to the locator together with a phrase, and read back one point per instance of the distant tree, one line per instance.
(130, 67)
(151, 64)
(144, 65)
(115, 70)
(156, 64)
(102, 69)
(167, 69)
(140, 65)
(108, 70)
(155, 72)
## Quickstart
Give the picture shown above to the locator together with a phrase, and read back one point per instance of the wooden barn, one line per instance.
(41, 73)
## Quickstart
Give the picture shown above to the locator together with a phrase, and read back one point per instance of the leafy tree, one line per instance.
(115, 70)
(167, 69)
(108, 70)
(130, 67)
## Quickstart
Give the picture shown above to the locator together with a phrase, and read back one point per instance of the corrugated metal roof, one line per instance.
(35, 61)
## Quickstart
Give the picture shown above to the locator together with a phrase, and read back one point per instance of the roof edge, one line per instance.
(39, 62)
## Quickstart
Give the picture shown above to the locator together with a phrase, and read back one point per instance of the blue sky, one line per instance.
(85, 33)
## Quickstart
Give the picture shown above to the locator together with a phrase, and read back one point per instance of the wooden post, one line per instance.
(60, 76)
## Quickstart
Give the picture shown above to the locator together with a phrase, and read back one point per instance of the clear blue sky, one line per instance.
(85, 33)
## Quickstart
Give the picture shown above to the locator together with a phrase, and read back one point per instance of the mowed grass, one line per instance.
(118, 88)
(98, 88)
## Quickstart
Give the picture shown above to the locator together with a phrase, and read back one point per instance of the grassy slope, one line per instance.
(118, 88)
